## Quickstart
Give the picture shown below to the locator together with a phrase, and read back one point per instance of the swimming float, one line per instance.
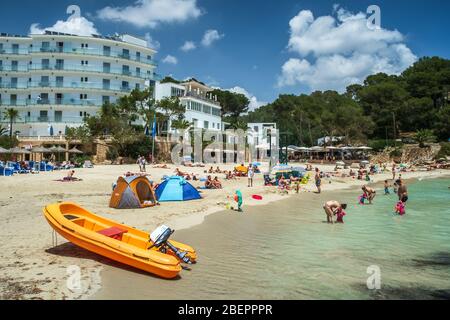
(151, 253)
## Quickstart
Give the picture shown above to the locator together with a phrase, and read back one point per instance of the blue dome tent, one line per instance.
(176, 189)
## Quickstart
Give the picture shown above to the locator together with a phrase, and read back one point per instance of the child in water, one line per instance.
(400, 208)
(340, 214)
(386, 187)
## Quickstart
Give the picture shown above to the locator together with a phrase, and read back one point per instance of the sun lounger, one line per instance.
(5, 171)
(88, 164)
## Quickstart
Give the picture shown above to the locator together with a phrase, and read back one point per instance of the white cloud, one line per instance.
(337, 51)
(150, 13)
(254, 102)
(76, 25)
(152, 43)
(211, 36)
(170, 60)
(188, 46)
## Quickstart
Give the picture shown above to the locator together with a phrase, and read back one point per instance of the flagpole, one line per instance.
(153, 139)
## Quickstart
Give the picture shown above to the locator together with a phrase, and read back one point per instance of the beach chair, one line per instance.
(6, 172)
(88, 164)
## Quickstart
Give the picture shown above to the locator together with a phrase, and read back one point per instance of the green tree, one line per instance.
(169, 108)
(233, 104)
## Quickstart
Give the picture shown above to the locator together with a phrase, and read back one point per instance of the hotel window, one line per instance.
(138, 86)
(125, 85)
(106, 51)
(206, 124)
(45, 46)
(59, 64)
(84, 79)
(138, 56)
(105, 99)
(125, 53)
(15, 48)
(14, 65)
(1, 48)
(126, 70)
(45, 64)
(59, 81)
(138, 72)
(106, 67)
(206, 109)
(83, 96)
(106, 84)
(216, 112)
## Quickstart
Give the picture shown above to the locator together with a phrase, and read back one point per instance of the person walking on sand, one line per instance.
(138, 162)
(393, 171)
(332, 208)
(250, 175)
(318, 180)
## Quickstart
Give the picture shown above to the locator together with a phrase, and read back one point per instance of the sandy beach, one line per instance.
(34, 268)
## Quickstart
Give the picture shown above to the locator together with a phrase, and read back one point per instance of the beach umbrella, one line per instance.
(18, 150)
(4, 151)
(75, 151)
(40, 150)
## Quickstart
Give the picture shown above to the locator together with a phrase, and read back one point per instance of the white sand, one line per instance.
(31, 268)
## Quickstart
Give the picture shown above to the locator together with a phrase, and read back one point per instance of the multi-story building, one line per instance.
(55, 80)
(202, 108)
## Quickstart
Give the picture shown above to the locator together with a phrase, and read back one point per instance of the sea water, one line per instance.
(286, 250)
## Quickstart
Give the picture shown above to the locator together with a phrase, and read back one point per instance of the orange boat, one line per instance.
(116, 241)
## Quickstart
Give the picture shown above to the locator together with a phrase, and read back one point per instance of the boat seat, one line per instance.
(70, 217)
(113, 232)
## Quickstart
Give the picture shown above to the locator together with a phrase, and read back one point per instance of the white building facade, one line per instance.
(55, 80)
(202, 108)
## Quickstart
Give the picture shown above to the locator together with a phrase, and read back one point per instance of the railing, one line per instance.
(77, 68)
(46, 101)
(45, 119)
(14, 51)
(94, 52)
(13, 86)
(13, 69)
(200, 97)
(78, 85)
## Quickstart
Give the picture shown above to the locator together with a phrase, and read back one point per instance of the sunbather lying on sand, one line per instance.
(161, 166)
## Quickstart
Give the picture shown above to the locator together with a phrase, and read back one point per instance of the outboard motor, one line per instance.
(160, 238)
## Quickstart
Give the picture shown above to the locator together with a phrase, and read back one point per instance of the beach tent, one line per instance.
(176, 189)
(132, 193)
(241, 169)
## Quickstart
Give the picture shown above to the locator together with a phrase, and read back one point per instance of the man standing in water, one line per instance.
(318, 180)
(402, 191)
(369, 193)
(332, 208)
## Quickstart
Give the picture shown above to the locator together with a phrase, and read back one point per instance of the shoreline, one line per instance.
(225, 226)
(33, 269)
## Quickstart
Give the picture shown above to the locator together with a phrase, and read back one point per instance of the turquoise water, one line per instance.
(286, 251)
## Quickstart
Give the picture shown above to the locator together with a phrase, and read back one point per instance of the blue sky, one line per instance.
(256, 51)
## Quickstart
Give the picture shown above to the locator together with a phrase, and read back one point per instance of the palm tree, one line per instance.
(3, 130)
(424, 136)
(11, 115)
(181, 124)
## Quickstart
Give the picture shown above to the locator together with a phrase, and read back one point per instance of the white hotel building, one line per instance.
(202, 108)
(55, 80)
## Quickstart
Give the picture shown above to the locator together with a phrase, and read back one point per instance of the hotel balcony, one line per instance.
(52, 102)
(47, 119)
(97, 86)
(95, 52)
(13, 51)
(73, 68)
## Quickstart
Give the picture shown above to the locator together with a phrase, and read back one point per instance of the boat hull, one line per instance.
(151, 261)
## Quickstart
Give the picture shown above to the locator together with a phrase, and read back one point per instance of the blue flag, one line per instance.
(154, 127)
